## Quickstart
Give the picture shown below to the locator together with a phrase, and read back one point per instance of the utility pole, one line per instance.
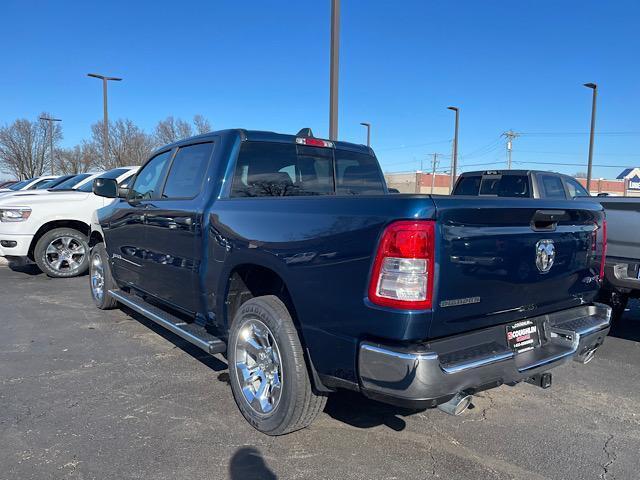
(105, 122)
(454, 158)
(510, 136)
(368, 125)
(334, 68)
(433, 171)
(51, 156)
(593, 87)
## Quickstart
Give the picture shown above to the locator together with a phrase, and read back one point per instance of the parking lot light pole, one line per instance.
(105, 124)
(594, 88)
(334, 68)
(51, 120)
(454, 158)
(368, 125)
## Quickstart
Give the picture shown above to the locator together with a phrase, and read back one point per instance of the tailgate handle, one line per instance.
(546, 220)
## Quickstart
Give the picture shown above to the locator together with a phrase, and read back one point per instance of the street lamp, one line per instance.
(454, 158)
(51, 120)
(334, 68)
(593, 87)
(105, 124)
(368, 125)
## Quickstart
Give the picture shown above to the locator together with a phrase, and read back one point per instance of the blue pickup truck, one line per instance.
(287, 254)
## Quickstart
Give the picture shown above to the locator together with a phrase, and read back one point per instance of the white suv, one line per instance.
(52, 229)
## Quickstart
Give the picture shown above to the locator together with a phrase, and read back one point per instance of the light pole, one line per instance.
(334, 68)
(593, 87)
(105, 122)
(51, 120)
(368, 125)
(454, 158)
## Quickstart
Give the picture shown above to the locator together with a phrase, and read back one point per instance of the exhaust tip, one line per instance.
(589, 356)
(457, 405)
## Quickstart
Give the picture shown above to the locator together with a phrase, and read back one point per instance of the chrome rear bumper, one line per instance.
(430, 373)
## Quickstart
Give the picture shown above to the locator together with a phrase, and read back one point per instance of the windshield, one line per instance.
(113, 174)
(71, 182)
(19, 185)
(53, 182)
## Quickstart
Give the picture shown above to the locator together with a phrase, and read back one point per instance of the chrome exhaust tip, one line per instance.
(587, 357)
(457, 405)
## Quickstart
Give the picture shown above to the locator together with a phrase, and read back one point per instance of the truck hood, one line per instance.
(52, 197)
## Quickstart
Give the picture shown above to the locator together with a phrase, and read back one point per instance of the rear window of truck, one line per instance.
(269, 169)
(494, 185)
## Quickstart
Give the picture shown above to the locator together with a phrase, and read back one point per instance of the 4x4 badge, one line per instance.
(545, 255)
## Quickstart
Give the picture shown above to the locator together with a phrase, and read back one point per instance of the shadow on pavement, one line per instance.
(247, 464)
(28, 268)
(209, 360)
(358, 411)
(628, 327)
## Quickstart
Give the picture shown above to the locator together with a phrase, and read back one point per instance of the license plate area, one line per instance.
(523, 336)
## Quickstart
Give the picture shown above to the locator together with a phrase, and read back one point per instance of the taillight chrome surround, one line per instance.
(403, 270)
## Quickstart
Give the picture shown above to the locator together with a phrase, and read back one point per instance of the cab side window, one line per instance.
(149, 180)
(188, 171)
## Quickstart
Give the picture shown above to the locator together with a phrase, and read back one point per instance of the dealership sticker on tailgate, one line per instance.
(523, 336)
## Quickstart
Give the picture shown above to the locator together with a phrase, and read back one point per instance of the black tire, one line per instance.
(298, 405)
(76, 265)
(100, 260)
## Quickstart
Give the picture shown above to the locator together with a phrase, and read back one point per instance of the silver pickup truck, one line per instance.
(622, 267)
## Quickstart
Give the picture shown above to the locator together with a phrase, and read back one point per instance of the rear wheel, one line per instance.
(100, 279)
(268, 372)
(62, 253)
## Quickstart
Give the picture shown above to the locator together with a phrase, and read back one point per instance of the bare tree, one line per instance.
(201, 124)
(24, 147)
(79, 159)
(128, 144)
(171, 129)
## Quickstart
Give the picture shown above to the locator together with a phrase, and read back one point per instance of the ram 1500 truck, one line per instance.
(287, 253)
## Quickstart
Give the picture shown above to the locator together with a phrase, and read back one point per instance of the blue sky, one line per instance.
(264, 65)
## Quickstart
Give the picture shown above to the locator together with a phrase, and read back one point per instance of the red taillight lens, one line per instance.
(314, 142)
(604, 248)
(402, 275)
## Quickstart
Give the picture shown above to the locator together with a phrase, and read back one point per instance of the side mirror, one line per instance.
(105, 187)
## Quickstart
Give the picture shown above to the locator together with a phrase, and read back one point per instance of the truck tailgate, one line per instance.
(494, 265)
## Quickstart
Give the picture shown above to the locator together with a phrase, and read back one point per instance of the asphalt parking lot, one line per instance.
(90, 394)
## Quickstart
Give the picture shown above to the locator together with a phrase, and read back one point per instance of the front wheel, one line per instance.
(100, 279)
(267, 369)
(62, 253)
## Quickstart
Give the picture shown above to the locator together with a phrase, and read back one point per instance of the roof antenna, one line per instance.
(305, 132)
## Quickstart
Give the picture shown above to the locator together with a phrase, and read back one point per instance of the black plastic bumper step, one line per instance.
(191, 332)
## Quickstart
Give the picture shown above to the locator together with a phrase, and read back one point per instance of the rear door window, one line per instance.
(575, 189)
(552, 186)
(188, 171)
(357, 174)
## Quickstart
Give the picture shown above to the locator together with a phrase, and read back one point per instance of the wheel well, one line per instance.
(250, 280)
(74, 224)
(95, 238)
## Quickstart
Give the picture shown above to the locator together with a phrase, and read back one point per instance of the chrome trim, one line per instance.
(172, 327)
(400, 355)
(460, 367)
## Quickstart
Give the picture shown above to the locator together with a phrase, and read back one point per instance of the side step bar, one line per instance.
(191, 332)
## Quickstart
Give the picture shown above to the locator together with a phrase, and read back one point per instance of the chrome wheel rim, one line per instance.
(65, 254)
(258, 367)
(97, 277)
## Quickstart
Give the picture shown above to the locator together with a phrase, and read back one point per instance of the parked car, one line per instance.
(519, 183)
(287, 253)
(28, 184)
(74, 182)
(7, 184)
(622, 269)
(52, 230)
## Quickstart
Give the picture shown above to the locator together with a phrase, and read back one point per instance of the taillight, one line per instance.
(604, 248)
(402, 274)
(314, 142)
